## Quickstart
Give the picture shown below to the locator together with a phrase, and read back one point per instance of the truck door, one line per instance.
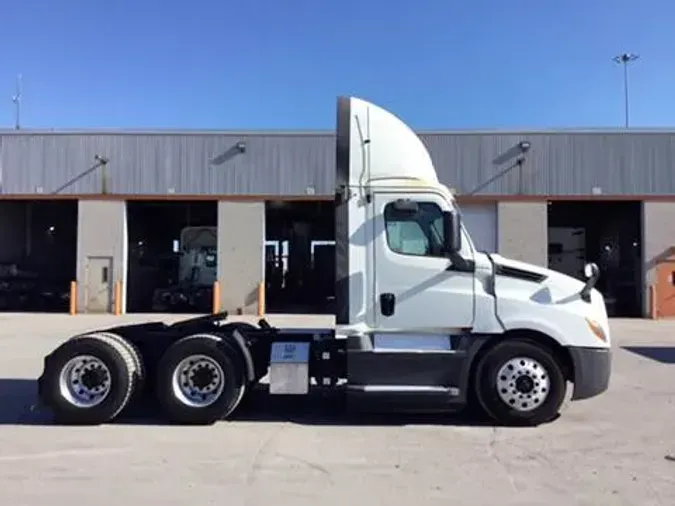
(415, 284)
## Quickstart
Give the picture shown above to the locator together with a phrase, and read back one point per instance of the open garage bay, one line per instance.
(299, 256)
(172, 256)
(38, 252)
(613, 450)
(612, 239)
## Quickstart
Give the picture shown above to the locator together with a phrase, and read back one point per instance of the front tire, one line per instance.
(199, 380)
(518, 382)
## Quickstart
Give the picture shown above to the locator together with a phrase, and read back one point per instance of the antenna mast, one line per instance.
(16, 98)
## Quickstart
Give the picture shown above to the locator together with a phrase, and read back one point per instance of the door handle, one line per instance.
(387, 303)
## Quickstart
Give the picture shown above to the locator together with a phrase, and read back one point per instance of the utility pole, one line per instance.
(16, 98)
(624, 59)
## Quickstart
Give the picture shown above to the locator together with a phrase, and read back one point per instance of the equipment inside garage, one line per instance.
(38, 254)
(607, 233)
(172, 256)
(299, 256)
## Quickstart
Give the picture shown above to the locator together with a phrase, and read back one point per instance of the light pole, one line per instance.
(16, 98)
(624, 59)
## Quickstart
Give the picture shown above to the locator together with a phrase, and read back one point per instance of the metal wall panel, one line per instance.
(557, 163)
(169, 164)
(290, 164)
(480, 221)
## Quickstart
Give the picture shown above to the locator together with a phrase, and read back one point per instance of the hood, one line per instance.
(538, 281)
(534, 297)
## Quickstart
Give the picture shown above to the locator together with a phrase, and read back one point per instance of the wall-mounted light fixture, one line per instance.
(102, 162)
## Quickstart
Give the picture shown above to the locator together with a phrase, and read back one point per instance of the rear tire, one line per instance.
(518, 382)
(89, 380)
(199, 380)
(139, 366)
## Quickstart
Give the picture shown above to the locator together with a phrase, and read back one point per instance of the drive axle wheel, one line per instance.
(85, 381)
(139, 366)
(518, 382)
(88, 380)
(199, 380)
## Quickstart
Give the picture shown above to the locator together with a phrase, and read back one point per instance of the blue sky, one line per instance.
(279, 64)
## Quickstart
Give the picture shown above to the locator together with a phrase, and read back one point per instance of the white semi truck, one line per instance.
(424, 322)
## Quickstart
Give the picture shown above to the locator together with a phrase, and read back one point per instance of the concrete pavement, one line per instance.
(611, 450)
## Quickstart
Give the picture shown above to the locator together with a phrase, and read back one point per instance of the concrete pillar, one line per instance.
(658, 242)
(102, 241)
(523, 231)
(241, 250)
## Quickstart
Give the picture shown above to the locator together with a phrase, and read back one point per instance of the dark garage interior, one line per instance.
(299, 256)
(172, 256)
(608, 233)
(38, 254)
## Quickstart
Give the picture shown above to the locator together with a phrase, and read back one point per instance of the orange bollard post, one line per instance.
(72, 310)
(216, 297)
(118, 298)
(261, 299)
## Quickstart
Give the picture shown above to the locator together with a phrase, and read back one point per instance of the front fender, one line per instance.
(538, 325)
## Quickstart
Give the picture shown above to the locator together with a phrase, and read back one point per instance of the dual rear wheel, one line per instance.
(200, 380)
(93, 378)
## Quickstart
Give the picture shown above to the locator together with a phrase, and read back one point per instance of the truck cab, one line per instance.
(412, 289)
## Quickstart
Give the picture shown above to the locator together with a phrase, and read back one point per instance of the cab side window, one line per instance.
(419, 234)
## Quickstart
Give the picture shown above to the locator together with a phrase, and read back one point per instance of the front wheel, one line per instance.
(518, 382)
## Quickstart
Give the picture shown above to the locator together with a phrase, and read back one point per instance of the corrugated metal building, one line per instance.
(243, 169)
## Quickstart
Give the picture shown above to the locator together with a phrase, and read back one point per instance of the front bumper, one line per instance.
(592, 369)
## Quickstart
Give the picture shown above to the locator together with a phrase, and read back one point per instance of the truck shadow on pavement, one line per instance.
(18, 395)
(662, 354)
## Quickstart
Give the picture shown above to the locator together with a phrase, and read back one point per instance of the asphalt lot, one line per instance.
(612, 450)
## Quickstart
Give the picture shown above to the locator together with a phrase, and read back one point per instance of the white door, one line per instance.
(480, 221)
(411, 272)
(98, 288)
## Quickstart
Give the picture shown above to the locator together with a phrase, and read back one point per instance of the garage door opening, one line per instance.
(607, 233)
(300, 257)
(38, 255)
(480, 221)
(172, 256)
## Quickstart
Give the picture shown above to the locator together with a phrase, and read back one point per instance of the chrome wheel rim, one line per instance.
(523, 384)
(85, 381)
(198, 381)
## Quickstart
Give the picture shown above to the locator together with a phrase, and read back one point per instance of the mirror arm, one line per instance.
(460, 264)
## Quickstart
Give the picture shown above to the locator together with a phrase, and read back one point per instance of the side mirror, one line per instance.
(592, 274)
(591, 270)
(452, 231)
